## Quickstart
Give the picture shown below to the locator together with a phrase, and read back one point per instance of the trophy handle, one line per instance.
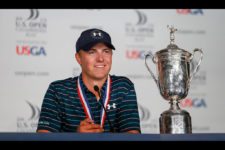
(199, 62)
(149, 54)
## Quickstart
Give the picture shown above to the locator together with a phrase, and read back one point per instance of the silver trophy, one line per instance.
(175, 70)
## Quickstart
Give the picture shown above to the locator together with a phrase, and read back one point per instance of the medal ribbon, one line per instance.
(85, 104)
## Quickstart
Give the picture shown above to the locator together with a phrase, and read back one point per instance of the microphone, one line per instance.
(96, 88)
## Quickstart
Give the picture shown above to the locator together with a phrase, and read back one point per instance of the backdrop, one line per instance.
(37, 47)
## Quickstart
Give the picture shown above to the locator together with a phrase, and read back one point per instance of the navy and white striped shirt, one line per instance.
(62, 110)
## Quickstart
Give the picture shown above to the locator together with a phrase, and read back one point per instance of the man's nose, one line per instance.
(100, 57)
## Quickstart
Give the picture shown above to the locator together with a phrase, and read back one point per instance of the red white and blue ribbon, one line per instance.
(106, 99)
(85, 104)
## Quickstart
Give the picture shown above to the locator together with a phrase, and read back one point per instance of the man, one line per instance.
(95, 101)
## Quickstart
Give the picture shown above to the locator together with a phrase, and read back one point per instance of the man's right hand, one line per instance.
(88, 126)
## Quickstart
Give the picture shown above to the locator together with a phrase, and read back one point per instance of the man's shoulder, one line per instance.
(65, 82)
(121, 79)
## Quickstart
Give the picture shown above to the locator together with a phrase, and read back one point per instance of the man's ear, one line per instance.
(77, 56)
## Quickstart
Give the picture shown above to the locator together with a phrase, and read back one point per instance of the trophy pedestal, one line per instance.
(175, 120)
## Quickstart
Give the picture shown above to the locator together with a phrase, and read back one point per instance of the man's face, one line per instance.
(95, 63)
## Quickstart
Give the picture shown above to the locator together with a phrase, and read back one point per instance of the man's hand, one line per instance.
(133, 131)
(88, 126)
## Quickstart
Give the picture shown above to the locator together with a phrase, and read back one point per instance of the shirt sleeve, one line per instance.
(50, 112)
(128, 114)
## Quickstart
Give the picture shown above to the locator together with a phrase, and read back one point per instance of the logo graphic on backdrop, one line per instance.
(148, 124)
(34, 13)
(135, 54)
(142, 18)
(31, 24)
(198, 102)
(140, 33)
(190, 11)
(140, 30)
(30, 50)
(35, 111)
(29, 122)
(144, 113)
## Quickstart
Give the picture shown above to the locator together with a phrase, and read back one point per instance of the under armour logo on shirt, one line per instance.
(111, 106)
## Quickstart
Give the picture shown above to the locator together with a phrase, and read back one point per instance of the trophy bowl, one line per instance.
(174, 74)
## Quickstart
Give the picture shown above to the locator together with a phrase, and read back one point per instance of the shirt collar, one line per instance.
(86, 89)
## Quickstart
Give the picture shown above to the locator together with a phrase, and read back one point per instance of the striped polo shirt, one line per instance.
(62, 109)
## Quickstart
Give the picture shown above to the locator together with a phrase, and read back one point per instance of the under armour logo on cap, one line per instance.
(97, 34)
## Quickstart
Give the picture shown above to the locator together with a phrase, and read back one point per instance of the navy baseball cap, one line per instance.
(90, 37)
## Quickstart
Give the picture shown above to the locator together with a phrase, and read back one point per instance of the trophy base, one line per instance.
(175, 121)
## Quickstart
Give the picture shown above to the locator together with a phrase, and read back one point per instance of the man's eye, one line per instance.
(107, 51)
(91, 52)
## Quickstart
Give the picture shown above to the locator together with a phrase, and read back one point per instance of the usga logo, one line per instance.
(135, 54)
(190, 11)
(195, 102)
(30, 50)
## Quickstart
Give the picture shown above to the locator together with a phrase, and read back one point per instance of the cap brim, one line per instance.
(88, 46)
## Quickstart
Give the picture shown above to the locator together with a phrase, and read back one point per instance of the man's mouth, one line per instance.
(99, 66)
